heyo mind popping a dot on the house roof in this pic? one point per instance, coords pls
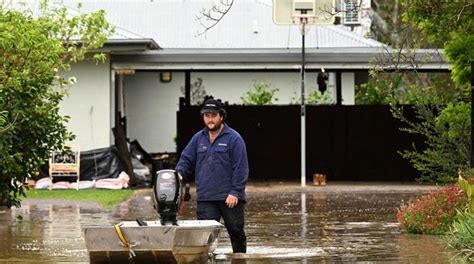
(249, 24)
(245, 39)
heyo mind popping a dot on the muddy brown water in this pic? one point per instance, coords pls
(283, 225)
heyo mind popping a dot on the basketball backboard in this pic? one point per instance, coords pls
(286, 12)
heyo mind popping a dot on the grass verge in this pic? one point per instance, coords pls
(106, 198)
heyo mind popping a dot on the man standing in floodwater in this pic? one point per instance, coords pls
(218, 157)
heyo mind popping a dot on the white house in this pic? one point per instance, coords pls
(157, 38)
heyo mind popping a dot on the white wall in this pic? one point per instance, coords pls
(230, 86)
(151, 105)
(88, 105)
(151, 108)
(347, 88)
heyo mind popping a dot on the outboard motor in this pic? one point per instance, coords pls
(168, 195)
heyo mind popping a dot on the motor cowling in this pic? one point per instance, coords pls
(166, 190)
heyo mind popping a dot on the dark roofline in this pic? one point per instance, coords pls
(129, 45)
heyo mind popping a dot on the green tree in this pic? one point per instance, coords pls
(261, 94)
(447, 132)
(442, 107)
(448, 25)
(444, 119)
(34, 49)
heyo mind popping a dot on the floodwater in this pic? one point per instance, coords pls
(305, 226)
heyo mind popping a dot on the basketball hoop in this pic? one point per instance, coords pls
(304, 19)
(313, 12)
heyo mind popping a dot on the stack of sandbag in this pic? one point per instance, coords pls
(43, 184)
(82, 185)
(61, 185)
(109, 183)
(114, 184)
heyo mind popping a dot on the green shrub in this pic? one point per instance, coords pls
(433, 213)
(261, 94)
(315, 97)
(448, 140)
(376, 91)
(460, 237)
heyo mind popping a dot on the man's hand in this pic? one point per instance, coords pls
(231, 201)
(180, 176)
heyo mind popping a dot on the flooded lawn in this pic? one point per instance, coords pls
(303, 226)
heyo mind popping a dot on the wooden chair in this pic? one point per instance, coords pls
(65, 165)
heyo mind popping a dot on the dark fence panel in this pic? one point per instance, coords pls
(358, 143)
(345, 142)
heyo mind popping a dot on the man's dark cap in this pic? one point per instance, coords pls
(212, 106)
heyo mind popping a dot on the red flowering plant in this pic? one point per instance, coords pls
(434, 212)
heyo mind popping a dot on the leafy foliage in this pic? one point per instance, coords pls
(412, 88)
(468, 188)
(461, 236)
(3, 115)
(461, 51)
(436, 24)
(447, 140)
(448, 25)
(433, 213)
(261, 94)
(316, 97)
(377, 91)
(34, 49)
(442, 119)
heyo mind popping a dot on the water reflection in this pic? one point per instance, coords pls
(303, 217)
(42, 232)
(299, 227)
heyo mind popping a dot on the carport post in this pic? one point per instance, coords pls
(187, 88)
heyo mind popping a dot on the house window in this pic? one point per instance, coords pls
(351, 9)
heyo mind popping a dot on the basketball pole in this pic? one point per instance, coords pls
(302, 12)
(303, 22)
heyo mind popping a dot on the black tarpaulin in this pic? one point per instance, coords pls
(100, 163)
(105, 163)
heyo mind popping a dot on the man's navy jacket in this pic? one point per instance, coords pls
(221, 168)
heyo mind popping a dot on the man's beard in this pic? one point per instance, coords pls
(216, 127)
